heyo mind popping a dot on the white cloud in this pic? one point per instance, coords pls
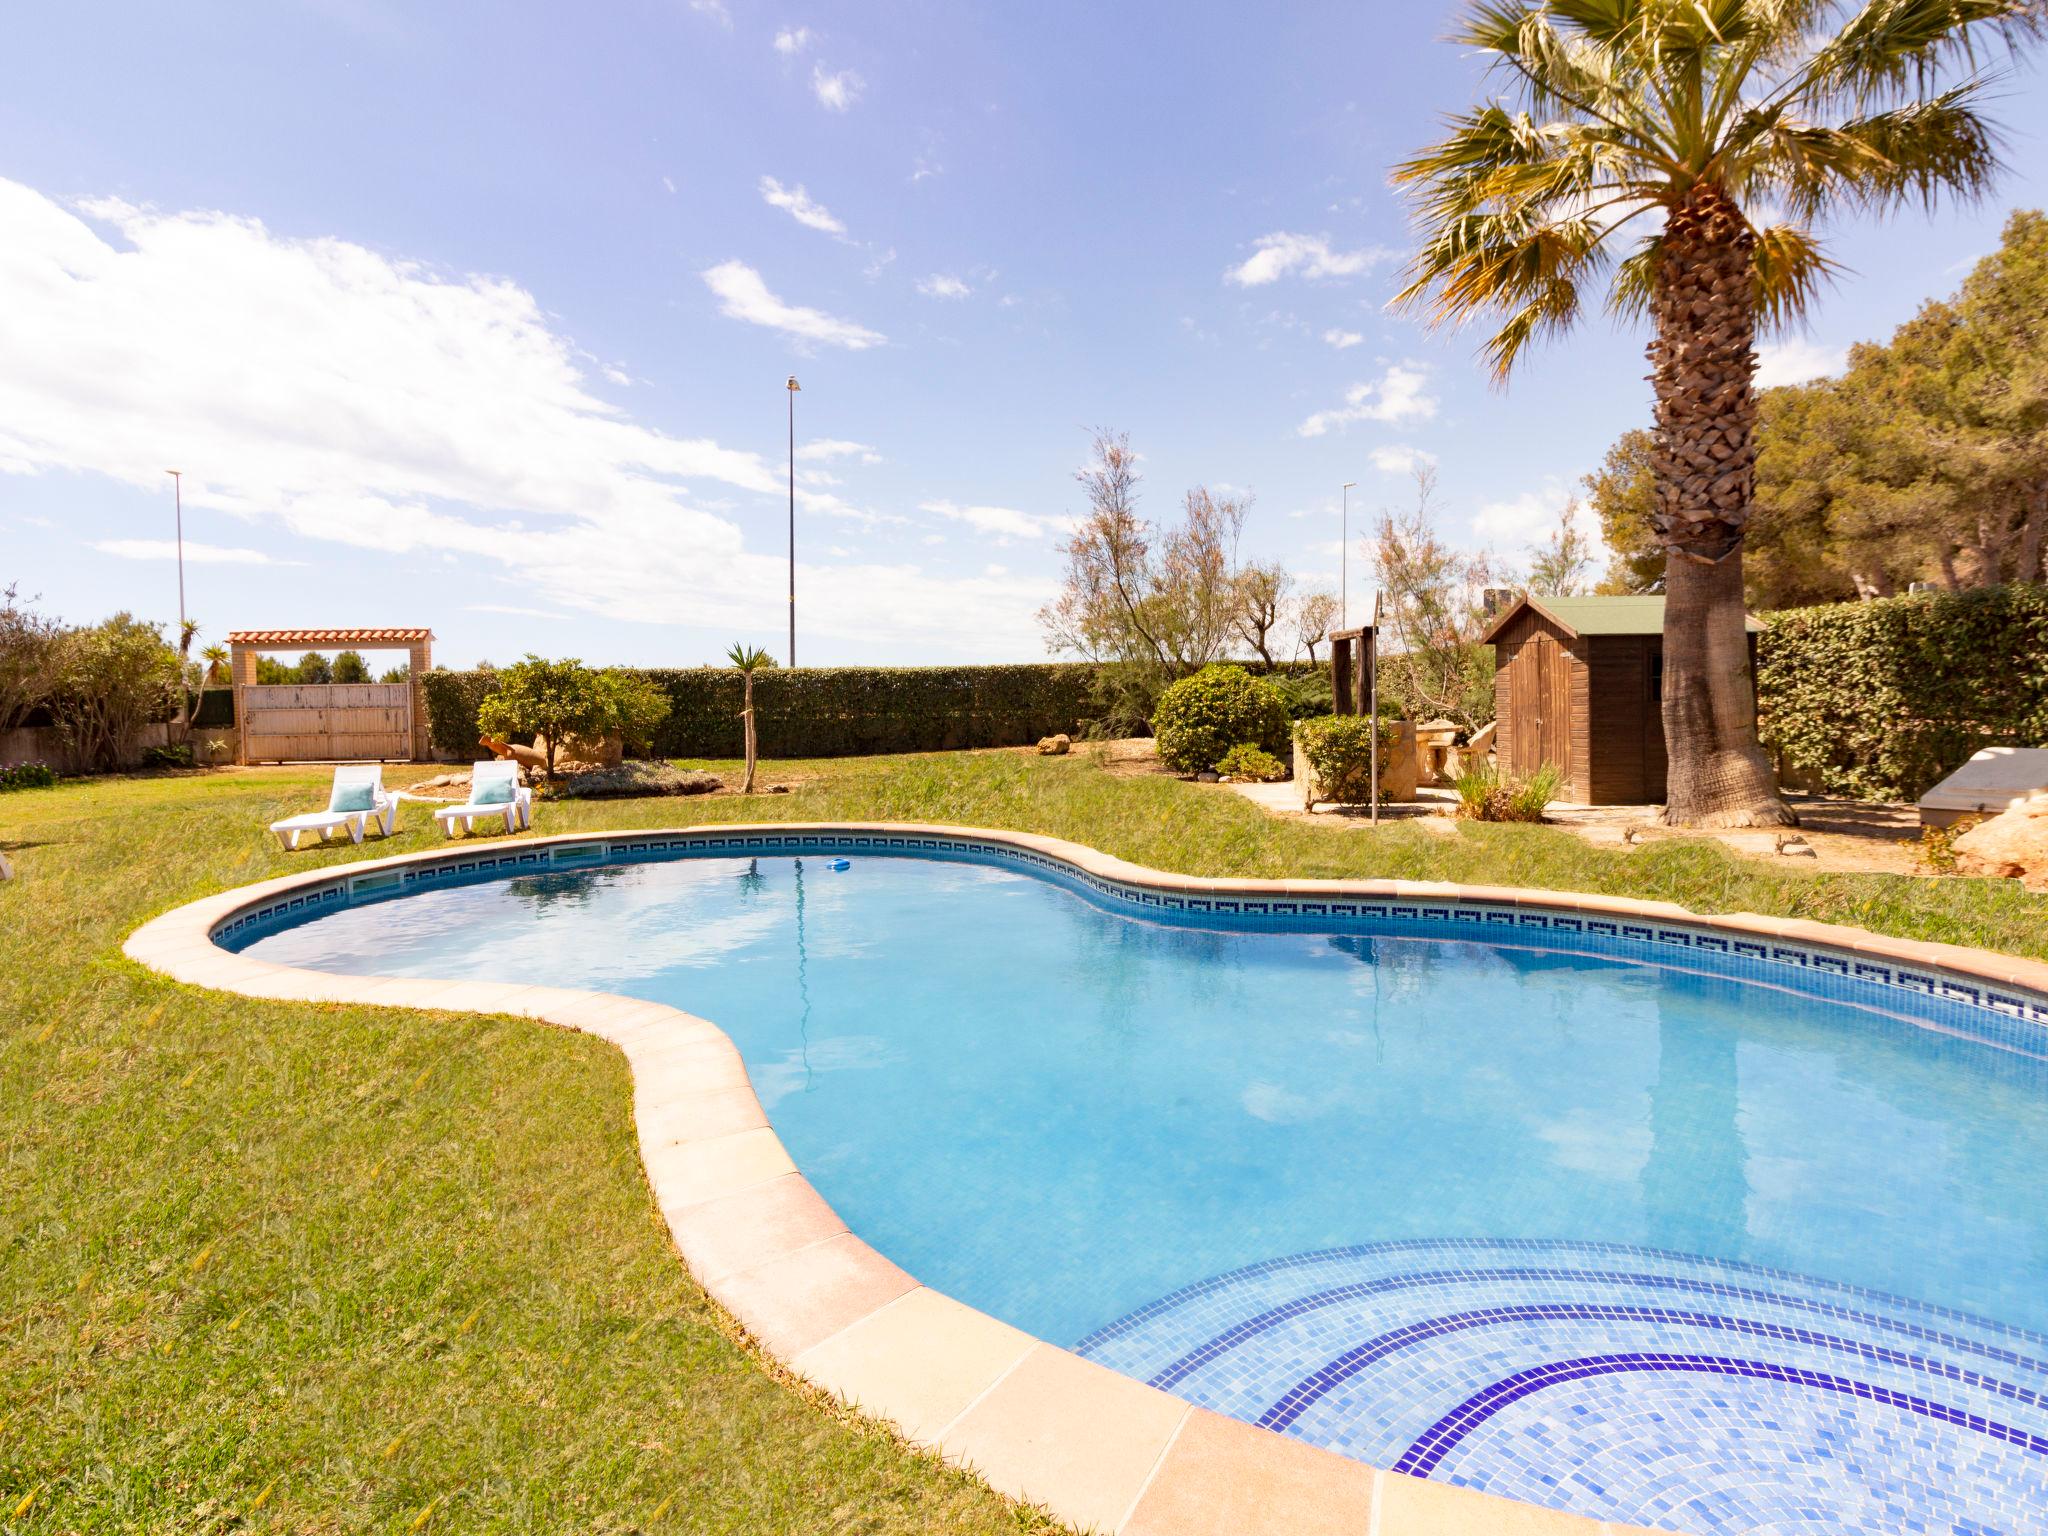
(1531, 517)
(715, 9)
(331, 393)
(821, 449)
(1342, 339)
(791, 41)
(1400, 459)
(942, 285)
(1796, 361)
(1280, 254)
(1006, 523)
(799, 205)
(514, 609)
(1397, 395)
(836, 91)
(195, 554)
(744, 296)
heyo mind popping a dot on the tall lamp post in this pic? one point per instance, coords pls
(178, 502)
(793, 387)
(1344, 563)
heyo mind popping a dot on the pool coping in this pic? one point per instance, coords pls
(1098, 1449)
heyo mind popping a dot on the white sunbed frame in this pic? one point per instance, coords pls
(516, 813)
(383, 810)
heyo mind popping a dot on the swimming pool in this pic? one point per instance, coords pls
(1613, 1217)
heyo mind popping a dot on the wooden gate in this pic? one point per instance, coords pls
(326, 722)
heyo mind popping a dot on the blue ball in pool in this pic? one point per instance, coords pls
(840, 864)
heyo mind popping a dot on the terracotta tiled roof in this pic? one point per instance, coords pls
(320, 638)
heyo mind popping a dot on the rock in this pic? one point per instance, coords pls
(2011, 845)
(1207, 777)
(629, 780)
(1797, 848)
(1055, 746)
(580, 754)
(6, 869)
(778, 789)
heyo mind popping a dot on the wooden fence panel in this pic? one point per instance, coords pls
(299, 722)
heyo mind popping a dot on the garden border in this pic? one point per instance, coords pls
(1097, 1449)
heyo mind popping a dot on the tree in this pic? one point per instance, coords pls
(349, 667)
(29, 645)
(217, 662)
(402, 673)
(1314, 613)
(554, 700)
(1166, 601)
(1623, 494)
(1432, 610)
(188, 675)
(749, 659)
(1559, 568)
(1261, 601)
(313, 668)
(109, 681)
(1693, 114)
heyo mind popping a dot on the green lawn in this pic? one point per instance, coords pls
(322, 1269)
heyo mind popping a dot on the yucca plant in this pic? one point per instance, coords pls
(1634, 148)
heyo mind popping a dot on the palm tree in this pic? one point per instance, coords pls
(216, 659)
(749, 659)
(1697, 114)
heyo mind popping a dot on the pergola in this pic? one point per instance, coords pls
(245, 645)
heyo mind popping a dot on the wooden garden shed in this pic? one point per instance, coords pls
(1578, 682)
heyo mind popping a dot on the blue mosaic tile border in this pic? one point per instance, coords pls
(2013, 1018)
(1423, 1457)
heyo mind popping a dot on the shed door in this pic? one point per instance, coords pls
(1539, 695)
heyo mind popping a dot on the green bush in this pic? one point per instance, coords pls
(1487, 794)
(1339, 751)
(1245, 761)
(27, 776)
(1306, 694)
(177, 755)
(1202, 717)
(822, 711)
(1881, 700)
(561, 699)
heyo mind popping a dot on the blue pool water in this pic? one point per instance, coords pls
(1652, 1245)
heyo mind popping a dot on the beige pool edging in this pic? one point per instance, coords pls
(1099, 1450)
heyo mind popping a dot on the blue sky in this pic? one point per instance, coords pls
(478, 315)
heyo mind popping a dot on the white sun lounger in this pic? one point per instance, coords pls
(494, 791)
(357, 799)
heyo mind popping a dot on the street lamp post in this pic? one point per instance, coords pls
(793, 387)
(178, 502)
(1344, 563)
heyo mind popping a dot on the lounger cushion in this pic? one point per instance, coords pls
(354, 797)
(498, 793)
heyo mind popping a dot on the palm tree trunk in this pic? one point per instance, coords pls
(747, 784)
(1704, 456)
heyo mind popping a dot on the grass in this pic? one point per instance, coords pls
(285, 1267)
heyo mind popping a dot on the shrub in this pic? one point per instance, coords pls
(822, 711)
(1202, 717)
(1883, 699)
(1487, 794)
(111, 680)
(1245, 761)
(1306, 694)
(177, 755)
(560, 699)
(29, 647)
(1339, 751)
(27, 776)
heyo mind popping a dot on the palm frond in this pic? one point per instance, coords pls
(1889, 48)
(1872, 163)
(1550, 312)
(1635, 280)
(1791, 269)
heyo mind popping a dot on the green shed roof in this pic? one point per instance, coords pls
(1596, 615)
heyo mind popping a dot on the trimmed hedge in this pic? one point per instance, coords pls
(1200, 718)
(1881, 700)
(823, 711)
